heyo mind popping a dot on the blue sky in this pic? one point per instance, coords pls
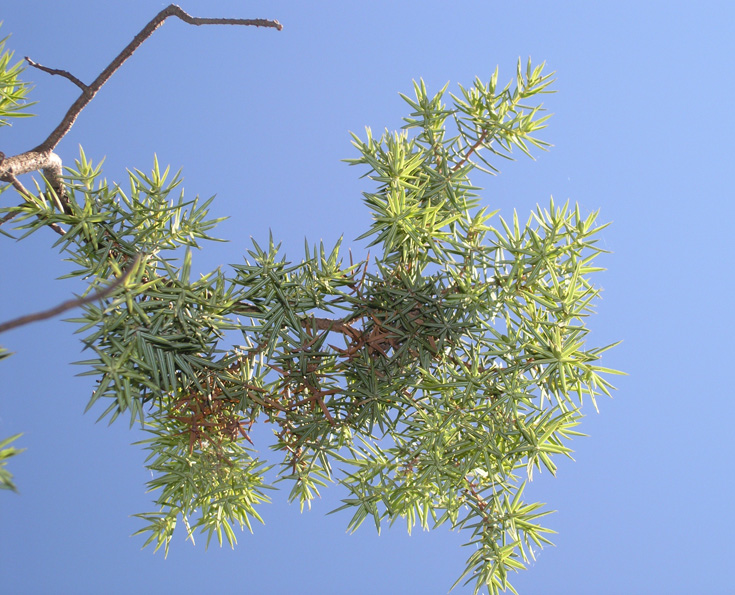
(641, 130)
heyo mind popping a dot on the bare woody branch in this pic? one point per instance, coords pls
(70, 304)
(42, 157)
(91, 90)
(53, 71)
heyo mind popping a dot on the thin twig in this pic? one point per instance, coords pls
(89, 91)
(53, 71)
(69, 304)
(480, 140)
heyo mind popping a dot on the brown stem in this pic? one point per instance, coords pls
(53, 71)
(328, 324)
(473, 148)
(8, 217)
(69, 304)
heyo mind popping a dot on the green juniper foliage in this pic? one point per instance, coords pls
(6, 478)
(13, 91)
(430, 380)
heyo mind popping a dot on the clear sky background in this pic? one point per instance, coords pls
(642, 127)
